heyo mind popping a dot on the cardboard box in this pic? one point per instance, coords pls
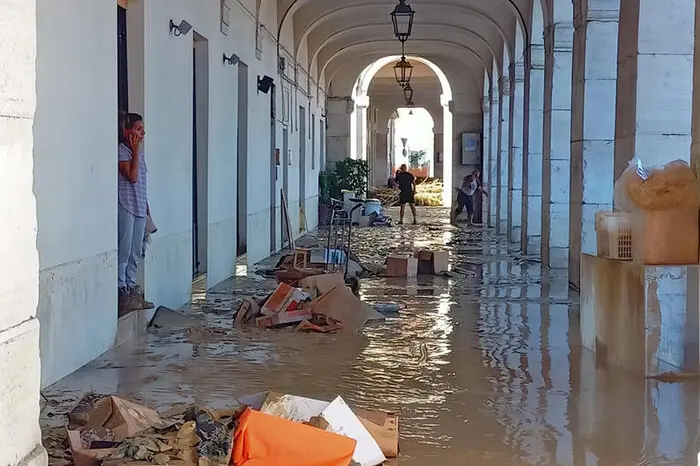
(119, 416)
(432, 262)
(342, 305)
(319, 284)
(285, 298)
(665, 237)
(401, 267)
(384, 428)
(286, 317)
(247, 311)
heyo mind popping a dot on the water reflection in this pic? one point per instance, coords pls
(484, 367)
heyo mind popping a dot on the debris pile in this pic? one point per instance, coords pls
(265, 428)
(321, 303)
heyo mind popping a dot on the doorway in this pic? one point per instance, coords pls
(274, 162)
(122, 60)
(302, 165)
(242, 161)
(322, 143)
(200, 154)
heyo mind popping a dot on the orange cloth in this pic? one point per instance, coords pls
(265, 440)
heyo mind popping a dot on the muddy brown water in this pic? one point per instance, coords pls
(483, 368)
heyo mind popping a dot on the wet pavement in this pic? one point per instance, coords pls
(484, 367)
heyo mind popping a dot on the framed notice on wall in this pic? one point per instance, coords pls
(471, 149)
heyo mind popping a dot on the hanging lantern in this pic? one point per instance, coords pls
(403, 71)
(408, 93)
(402, 17)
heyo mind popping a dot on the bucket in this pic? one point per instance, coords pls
(347, 203)
(373, 206)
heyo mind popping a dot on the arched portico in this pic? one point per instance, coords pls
(359, 128)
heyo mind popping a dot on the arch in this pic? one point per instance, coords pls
(326, 17)
(519, 46)
(329, 39)
(351, 47)
(365, 78)
(295, 5)
(562, 11)
(538, 22)
(361, 102)
(339, 75)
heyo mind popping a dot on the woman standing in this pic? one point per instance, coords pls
(132, 211)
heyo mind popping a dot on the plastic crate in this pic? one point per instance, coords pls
(614, 235)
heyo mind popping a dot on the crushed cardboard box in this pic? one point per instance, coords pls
(401, 267)
(318, 284)
(284, 298)
(432, 262)
(110, 421)
(335, 417)
(342, 305)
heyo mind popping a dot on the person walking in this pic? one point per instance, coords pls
(407, 194)
(132, 211)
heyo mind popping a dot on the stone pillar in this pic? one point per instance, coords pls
(381, 160)
(503, 150)
(515, 152)
(556, 145)
(20, 364)
(487, 158)
(495, 139)
(654, 82)
(592, 123)
(361, 106)
(339, 110)
(532, 166)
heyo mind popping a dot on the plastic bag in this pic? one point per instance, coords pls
(672, 186)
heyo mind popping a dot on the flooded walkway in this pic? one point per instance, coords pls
(483, 368)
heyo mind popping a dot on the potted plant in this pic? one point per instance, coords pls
(352, 175)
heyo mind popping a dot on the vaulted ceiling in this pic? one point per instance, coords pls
(460, 36)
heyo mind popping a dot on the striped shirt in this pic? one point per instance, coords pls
(132, 196)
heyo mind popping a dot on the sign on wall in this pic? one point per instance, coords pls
(471, 148)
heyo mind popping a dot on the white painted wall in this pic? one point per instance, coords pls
(19, 327)
(76, 170)
(76, 182)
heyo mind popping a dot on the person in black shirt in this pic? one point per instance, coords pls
(407, 185)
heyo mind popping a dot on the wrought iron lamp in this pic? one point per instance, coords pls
(402, 18)
(403, 70)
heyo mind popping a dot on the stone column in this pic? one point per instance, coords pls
(532, 166)
(654, 82)
(592, 123)
(515, 153)
(381, 160)
(339, 110)
(20, 364)
(503, 150)
(361, 106)
(495, 139)
(487, 156)
(556, 145)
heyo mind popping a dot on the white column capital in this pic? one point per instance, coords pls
(362, 101)
(561, 36)
(504, 85)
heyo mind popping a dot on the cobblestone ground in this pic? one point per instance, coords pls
(484, 367)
